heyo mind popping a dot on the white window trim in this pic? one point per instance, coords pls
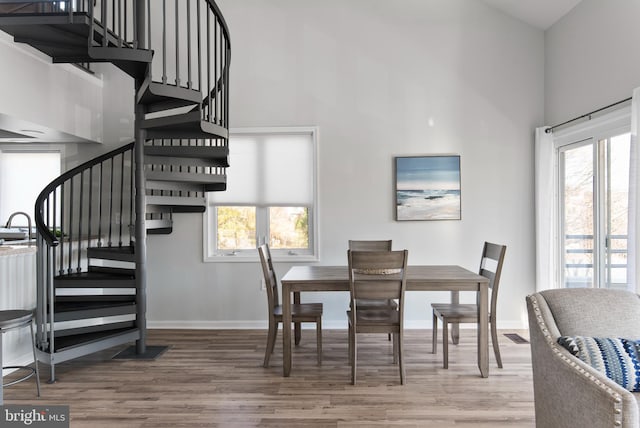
(278, 256)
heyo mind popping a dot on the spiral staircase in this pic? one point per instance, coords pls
(93, 220)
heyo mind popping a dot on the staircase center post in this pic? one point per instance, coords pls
(140, 189)
(140, 231)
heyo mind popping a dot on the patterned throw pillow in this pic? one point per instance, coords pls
(618, 359)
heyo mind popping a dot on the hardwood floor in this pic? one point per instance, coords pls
(215, 378)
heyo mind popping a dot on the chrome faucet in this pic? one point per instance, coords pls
(8, 225)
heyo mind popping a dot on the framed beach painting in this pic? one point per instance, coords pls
(428, 187)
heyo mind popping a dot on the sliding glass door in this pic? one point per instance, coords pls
(594, 194)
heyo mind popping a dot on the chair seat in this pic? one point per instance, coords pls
(14, 318)
(364, 304)
(456, 312)
(302, 310)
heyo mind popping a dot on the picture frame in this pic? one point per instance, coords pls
(428, 187)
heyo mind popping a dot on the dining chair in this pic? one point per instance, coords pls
(300, 312)
(373, 245)
(377, 275)
(456, 313)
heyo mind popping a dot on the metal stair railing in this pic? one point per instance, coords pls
(201, 52)
(91, 204)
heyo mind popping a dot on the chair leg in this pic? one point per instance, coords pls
(319, 339)
(297, 332)
(395, 348)
(494, 341)
(271, 342)
(35, 359)
(401, 357)
(445, 344)
(434, 335)
(354, 357)
(349, 345)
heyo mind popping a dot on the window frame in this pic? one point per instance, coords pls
(590, 133)
(210, 253)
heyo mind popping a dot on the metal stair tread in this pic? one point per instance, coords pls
(196, 152)
(62, 307)
(185, 177)
(159, 96)
(117, 271)
(66, 342)
(176, 204)
(84, 298)
(96, 276)
(125, 253)
(94, 280)
(186, 125)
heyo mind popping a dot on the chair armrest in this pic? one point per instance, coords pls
(568, 392)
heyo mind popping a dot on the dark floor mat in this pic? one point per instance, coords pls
(130, 353)
(515, 337)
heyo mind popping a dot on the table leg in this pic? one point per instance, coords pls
(286, 330)
(483, 329)
(296, 326)
(455, 327)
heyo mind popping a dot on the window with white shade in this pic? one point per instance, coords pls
(270, 196)
(23, 175)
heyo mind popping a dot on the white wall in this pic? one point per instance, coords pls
(373, 75)
(57, 96)
(116, 114)
(591, 58)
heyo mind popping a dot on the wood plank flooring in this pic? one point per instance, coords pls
(215, 378)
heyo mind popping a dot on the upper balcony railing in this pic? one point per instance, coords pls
(579, 261)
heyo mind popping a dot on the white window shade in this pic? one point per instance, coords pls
(272, 169)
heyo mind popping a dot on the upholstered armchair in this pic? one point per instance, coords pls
(568, 391)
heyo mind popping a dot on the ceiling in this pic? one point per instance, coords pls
(541, 14)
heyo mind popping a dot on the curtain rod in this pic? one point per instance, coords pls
(550, 129)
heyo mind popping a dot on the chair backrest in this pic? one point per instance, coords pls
(269, 274)
(370, 245)
(377, 275)
(491, 268)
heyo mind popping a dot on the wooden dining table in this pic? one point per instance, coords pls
(419, 278)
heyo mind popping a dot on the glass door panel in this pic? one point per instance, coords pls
(616, 193)
(577, 172)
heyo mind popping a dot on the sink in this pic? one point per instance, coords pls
(14, 233)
